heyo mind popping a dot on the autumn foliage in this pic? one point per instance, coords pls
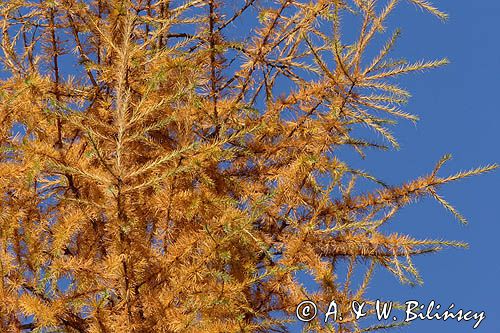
(169, 166)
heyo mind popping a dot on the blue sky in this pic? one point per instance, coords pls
(459, 115)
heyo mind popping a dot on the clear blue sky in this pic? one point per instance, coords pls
(459, 115)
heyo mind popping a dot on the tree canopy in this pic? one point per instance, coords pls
(169, 166)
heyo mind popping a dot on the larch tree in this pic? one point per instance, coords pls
(170, 166)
